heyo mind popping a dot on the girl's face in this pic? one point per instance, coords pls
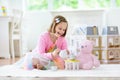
(60, 29)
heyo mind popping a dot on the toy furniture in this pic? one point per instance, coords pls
(72, 64)
(16, 33)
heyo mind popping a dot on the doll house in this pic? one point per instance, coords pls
(93, 35)
(90, 33)
(111, 43)
(106, 46)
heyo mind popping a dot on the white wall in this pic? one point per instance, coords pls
(33, 24)
(113, 17)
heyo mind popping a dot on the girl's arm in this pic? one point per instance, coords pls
(64, 44)
(42, 46)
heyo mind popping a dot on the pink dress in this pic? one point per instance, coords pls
(44, 48)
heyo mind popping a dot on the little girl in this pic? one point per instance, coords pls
(49, 45)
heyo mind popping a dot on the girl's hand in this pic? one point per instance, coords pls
(68, 52)
(56, 52)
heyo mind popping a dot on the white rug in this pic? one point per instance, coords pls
(105, 70)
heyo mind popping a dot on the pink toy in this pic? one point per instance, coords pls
(86, 58)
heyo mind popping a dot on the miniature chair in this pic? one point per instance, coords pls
(71, 64)
(16, 34)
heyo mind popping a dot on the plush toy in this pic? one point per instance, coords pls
(86, 58)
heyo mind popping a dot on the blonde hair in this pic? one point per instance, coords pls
(57, 20)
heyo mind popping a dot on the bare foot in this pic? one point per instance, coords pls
(36, 64)
(39, 66)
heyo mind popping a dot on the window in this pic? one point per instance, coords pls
(118, 3)
(70, 4)
(63, 4)
(37, 5)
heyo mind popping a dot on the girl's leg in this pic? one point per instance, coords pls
(28, 61)
(31, 61)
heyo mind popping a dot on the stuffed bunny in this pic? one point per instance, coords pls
(86, 58)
